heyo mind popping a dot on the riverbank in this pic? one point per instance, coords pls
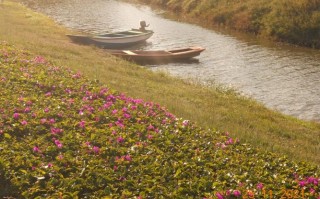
(294, 22)
(212, 108)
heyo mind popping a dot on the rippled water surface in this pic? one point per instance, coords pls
(281, 77)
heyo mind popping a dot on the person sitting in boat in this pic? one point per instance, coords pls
(143, 26)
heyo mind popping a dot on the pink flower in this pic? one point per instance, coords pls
(150, 127)
(76, 76)
(50, 165)
(16, 116)
(316, 182)
(128, 158)
(119, 124)
(120, 139)
(114, 111)
(58, 144)
(48, 94)
(312, 180)
(87, 143)
(219, 195)
(96, 149)
(185, 122)
(43, 120)
(82, 124)
(46, 110)
(39, 60)
(21, 99)
(236, 193)
(24, 122)
(111, 98)
(230, 141)
(259, 185)
(27, 110)
(36, 149)
(68, 90)
(55, 131)
(149, 137)
(302, 183)
(60, 157)
(103, 91)
(312, 191)
(107, 105)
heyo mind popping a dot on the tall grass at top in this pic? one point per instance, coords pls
(292, 21)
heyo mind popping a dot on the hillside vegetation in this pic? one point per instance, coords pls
(64, 136)
(292, 21)
(122, 131)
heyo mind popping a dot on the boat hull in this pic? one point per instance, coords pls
(177, 55)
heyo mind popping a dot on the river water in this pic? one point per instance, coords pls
(282, 77)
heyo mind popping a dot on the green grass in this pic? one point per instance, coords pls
(213, 108)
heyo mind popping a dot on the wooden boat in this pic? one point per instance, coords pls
(114, 40)
(158, 56)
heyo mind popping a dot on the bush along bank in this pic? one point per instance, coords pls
(292, 21)
(65, 136)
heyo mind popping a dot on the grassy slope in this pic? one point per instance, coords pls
(211, 108)
(64, 136)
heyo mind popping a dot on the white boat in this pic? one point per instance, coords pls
(114, 40)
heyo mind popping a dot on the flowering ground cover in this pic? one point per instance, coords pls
(65, 136)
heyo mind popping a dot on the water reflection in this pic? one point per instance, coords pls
(158, 63)
(282, 77)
